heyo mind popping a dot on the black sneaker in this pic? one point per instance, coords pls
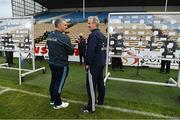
(161, 71)
(85, 110)
(99, 103)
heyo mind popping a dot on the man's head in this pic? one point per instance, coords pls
(93, 22)
(80, 35)
(61, 24)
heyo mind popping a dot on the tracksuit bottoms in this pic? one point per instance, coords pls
(95, 80)
(58, 77)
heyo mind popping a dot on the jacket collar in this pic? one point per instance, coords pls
(95, 30)
(58, 31)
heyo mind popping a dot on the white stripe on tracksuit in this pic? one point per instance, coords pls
(92, 92)
(63, 79)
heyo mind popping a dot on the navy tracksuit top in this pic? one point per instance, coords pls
(95, 53)
(60, 47)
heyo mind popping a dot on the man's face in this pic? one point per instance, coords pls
(63, 26)
(91, 25)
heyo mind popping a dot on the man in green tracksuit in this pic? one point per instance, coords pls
(60, 47)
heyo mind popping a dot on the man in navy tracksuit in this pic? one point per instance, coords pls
(60, 47)
(95, 61)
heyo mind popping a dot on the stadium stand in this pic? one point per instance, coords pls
(102, 16)
(47, 14)
(76, 17)
(73, 17)
(40, 29)
(73, 32)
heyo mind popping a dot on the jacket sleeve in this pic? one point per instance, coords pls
(65, 41)
(91, 49)
(69, 47)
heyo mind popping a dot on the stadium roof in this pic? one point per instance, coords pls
(55, 4)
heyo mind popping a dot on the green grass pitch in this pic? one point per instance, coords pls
(132, 96)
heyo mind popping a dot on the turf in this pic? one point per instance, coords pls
(1, 89)
(149, 98)
(32, 107)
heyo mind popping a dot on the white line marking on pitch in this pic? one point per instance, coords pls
(125, 110)
(4, 90)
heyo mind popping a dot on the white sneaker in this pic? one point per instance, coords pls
(51, 103)
(63, 105)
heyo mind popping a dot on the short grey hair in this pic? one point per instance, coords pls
(94, 19)
(58, 21)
